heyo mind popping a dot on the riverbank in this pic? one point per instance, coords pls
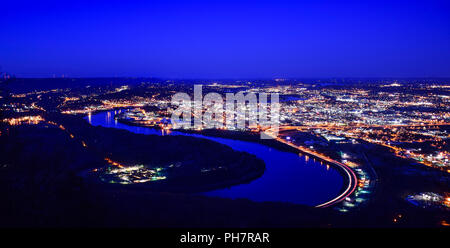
(227, 134)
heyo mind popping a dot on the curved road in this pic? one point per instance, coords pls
(352, 179)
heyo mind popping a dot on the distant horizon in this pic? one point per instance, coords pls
(235, 78)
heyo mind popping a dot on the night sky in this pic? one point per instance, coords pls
(225, 39)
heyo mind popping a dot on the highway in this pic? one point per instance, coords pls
(352, 179)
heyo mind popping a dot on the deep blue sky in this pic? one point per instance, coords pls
(225, 39)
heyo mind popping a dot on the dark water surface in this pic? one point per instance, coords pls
(288, 176)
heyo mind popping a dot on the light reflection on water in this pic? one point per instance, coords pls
(288, 176)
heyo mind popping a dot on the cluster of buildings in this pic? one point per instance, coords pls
(429, 200)
(402, 118)
(121, 174)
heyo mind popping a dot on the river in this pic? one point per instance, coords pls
(288, 176)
